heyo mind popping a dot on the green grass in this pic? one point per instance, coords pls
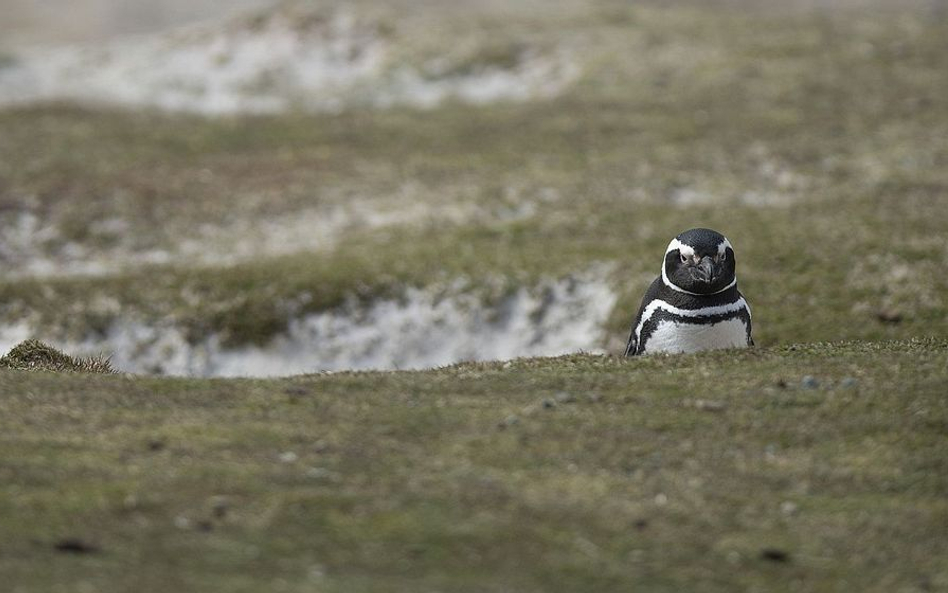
(820, 142)
(659, 474)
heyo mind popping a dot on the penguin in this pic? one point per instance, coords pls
(694, 304)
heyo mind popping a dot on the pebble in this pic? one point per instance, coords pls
(219, 506)
(75, 546)
(661, 499)
(318, 473)
(788, 508)
(317, 572)
(549, 403)
(710, 405)
(564, 397)
(510, 420)
(848, 382)
(182, 522)
(204, 525)
(774, 555)
(288, 457)
(810, 382)
(889, 316)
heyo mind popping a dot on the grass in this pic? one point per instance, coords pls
(816, 140)
(716, 472)
(33, 355)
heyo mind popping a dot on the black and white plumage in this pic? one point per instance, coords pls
(694, 305)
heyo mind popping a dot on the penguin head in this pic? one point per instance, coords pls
(699, 261)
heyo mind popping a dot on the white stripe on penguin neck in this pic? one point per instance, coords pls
(689, 251)
(657, 304)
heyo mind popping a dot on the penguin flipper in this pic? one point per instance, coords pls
(632, 347)
(632, 344)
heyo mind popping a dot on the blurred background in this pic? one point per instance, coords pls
(259, 188)
(63, 21)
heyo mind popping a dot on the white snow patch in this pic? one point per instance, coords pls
(13, 334)
(534, 77)
(26, 240)
(270, 64)
(419, 330)
(262, 67)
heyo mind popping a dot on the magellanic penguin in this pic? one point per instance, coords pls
(694, 305)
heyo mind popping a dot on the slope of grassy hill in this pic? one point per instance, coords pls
(807, 468)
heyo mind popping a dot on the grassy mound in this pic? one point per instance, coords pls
(802, 468)
(33, 355)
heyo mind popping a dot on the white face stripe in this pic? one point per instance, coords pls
(705, 312)
(689, 251)
(686, 250)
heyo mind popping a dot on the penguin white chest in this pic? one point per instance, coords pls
(676, 337)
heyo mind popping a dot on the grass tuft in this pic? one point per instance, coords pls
(33, 355)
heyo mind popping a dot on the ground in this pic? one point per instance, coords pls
(806, 468)
(816, 139)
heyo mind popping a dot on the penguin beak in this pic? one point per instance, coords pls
(704, 271)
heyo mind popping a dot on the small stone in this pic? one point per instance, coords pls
(548, 403)
(594, 398)
(219, 506)
(317, 572)
(710, 405)
(75, 546)
(774, 555)
(511, 420)
(564, 397)
(182, 522)
(661, 499)
(295, 392)
(318, 473)
(848, 383)
(789, 508)
(889, 316)
(809, 382)
(287, 457)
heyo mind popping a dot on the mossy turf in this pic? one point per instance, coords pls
(807, 468)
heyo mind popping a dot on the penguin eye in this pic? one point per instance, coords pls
(724, 256)
(683, 258)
